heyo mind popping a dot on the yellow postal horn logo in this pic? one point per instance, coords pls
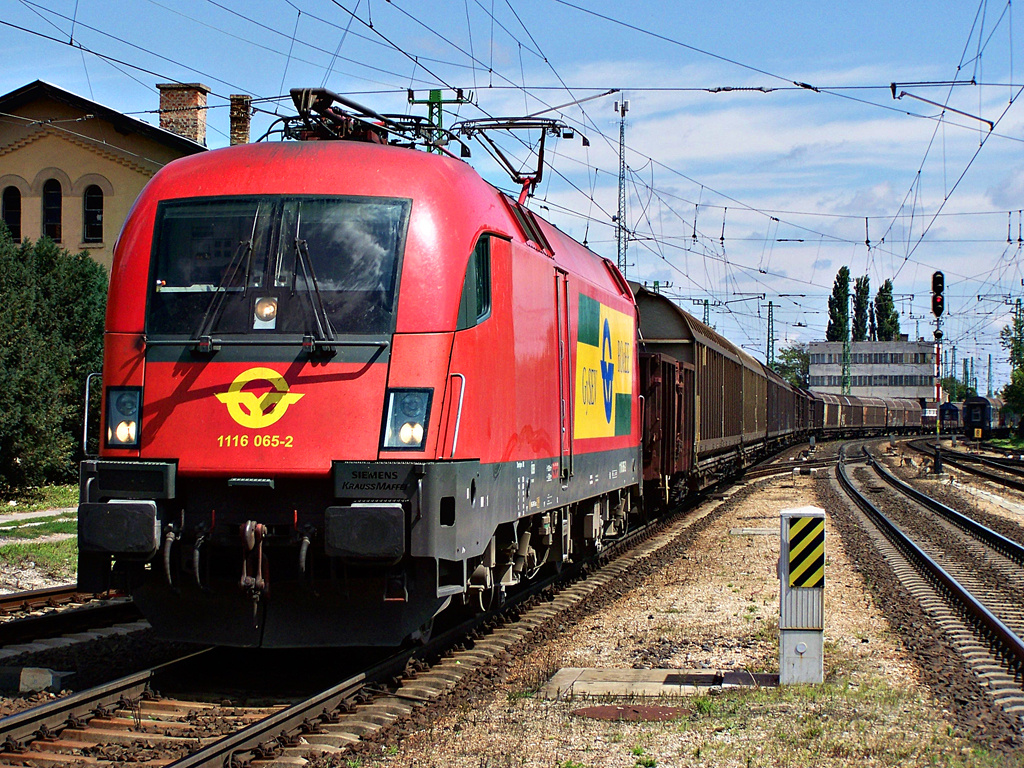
(258, 411)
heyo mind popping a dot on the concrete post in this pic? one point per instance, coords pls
(801, 595)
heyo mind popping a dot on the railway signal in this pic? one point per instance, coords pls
(938, 305)
(938, 300)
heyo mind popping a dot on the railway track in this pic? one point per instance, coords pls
(13, 603)
(125, 722)
(965, 575)
(766, 470)
(120, 722)
(1006, 472)
(55, 611)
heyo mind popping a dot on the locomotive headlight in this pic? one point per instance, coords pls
(123, 406)
(125, 432)
(405, 419)
(411, 433)
(265, 313)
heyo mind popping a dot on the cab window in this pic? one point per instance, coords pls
(475, 305)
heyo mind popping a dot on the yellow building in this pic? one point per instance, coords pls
(71, 168)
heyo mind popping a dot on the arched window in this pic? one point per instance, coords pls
(12, 211)
(52, 201)
(92, 222)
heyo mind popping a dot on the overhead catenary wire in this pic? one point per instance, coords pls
(646, 184)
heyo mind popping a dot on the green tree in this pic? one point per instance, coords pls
(1011, 338)
(956, 389)
(887, 319)
(861, 302)
(1013, 396)
(52, 327)
(839, 307)
(793, 363)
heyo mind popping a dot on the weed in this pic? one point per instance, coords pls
(569, 764)
(525, 693)
(58, 559)
(645, 762)
(46, 497)
(704, 706)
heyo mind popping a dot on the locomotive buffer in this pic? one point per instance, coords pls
(801, 595)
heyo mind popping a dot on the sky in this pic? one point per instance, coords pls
(766, 144)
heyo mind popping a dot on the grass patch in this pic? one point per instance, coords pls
(39, 526)
(1012, 443)
(36, 499)
(58, 560)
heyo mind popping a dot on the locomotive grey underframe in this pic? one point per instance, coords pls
(446, 511)
(454, 507)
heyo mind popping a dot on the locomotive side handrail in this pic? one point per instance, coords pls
(458, 415)
(85, 420)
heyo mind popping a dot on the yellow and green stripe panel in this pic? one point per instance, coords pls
(604, 375)
(807, 552)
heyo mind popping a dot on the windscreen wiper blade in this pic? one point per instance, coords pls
(202, 335)
(323, 332)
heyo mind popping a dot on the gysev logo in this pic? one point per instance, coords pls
(604, 375)
(607, 369)
(258, 411)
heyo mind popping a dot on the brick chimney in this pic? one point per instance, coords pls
(183, 109)
(241, 113)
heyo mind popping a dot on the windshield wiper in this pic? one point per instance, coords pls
(323, 333)
(201, 338)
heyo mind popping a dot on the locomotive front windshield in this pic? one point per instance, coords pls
(276, 265)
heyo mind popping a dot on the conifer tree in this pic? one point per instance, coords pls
(861, 301)
(839, 307)
(887, 319)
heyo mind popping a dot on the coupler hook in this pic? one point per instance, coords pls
(254, 562)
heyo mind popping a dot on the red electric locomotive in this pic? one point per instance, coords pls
(346, 384)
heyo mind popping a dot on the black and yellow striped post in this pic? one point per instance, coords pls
(801, 599)
(807, 551)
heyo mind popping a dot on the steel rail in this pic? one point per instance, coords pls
(966, 463)
(48, 719)
(997, 541)
(38, 598)
(264, 737)
(1013, 465)
(784, 469)
(1001, 639)
(79, 619)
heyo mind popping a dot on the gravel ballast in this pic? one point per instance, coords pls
(893, 693)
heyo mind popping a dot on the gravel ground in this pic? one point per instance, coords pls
(893, 694)
(22, 577)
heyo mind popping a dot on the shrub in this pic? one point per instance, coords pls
(52, 305)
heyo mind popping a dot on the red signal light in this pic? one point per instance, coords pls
(938, 304)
